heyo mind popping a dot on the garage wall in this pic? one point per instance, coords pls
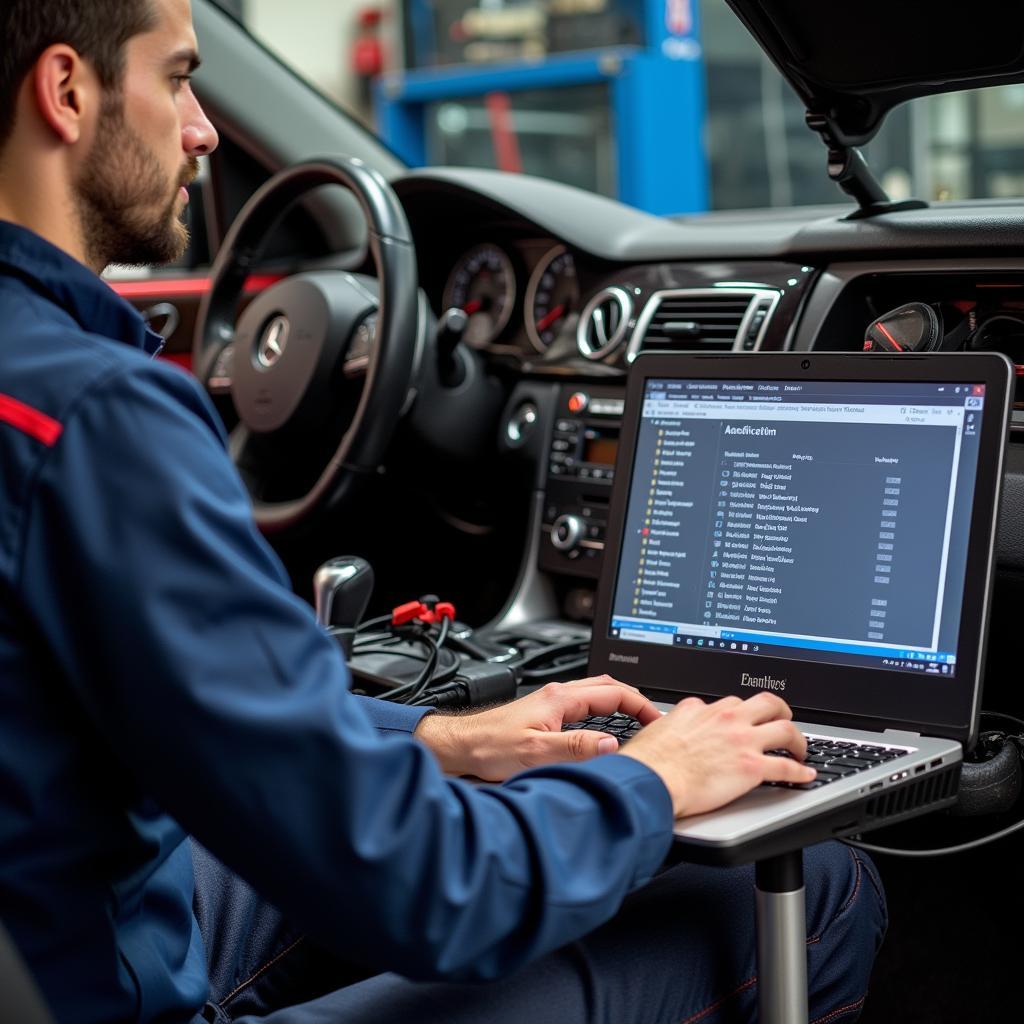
(316, 38)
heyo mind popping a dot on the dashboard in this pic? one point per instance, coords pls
(552, 305)
(563, 289)
(561, 281)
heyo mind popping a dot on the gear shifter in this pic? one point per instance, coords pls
(342, 589)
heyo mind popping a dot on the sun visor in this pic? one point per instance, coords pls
(853, 62)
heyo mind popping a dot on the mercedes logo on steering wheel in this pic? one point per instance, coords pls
(273, 342)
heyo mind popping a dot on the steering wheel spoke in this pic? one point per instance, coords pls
(360, 348)
(218, 382)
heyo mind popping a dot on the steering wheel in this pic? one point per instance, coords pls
(319, 365)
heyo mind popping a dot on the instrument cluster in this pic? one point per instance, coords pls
(523, 297)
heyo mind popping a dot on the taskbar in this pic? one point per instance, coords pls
(935, 663)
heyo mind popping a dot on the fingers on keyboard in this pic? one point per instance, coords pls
(622, 727)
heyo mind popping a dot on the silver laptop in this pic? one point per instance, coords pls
(823, 527)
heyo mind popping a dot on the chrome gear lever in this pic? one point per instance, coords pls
(341, 590)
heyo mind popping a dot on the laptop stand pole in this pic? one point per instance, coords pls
(781, 939)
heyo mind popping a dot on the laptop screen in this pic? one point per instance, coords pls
(818, 521)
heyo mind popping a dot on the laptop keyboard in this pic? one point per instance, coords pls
(832, 758)
(622, 727)
(835, 759)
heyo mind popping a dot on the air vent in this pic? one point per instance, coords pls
(603, 323)
(703, 320)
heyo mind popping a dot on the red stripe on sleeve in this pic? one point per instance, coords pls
(29, 421)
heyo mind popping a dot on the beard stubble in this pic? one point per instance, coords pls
(121, 197)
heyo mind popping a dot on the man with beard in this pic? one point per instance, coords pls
(158, 678)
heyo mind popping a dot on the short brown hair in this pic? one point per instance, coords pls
(97, 29)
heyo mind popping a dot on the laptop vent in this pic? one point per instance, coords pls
(703, 320)
(933, 788)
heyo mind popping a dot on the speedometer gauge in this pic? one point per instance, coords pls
(551, 296)
(483, 285)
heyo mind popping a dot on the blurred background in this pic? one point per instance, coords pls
(668, 105)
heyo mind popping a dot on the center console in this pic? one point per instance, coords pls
(561, 439)
(580, 468)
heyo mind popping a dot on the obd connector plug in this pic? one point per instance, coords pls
(476, 684)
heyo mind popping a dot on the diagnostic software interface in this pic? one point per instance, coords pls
(820, 520)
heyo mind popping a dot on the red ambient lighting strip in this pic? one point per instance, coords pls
(186, 287)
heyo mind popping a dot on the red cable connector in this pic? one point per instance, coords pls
(417, 611)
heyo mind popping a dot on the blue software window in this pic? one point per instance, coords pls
(817, 520)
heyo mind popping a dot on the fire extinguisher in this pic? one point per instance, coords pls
(367, 52)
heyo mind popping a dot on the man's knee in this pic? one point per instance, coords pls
(846, 921)
(843, 891)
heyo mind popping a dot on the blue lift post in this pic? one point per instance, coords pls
(656, 93)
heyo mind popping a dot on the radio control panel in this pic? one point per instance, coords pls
(580, 472)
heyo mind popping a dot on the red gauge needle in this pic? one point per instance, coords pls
(473, 306)
(545, 322)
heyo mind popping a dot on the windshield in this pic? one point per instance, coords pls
(669, 105)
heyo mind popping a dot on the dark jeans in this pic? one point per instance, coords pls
(680, 950)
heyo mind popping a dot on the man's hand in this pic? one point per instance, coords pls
(527, 732)
(709, 754)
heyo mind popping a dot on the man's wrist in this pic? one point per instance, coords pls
(448, 739)
(675, 792)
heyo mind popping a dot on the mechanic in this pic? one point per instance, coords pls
(158, 679)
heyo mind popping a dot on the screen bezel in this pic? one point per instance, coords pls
(858, 696)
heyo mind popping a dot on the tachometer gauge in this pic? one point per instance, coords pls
(483, 285)
(551, 295)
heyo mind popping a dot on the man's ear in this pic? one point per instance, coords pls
(64, 87)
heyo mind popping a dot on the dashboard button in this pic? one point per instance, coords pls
(566, 533)
(520, 423)
(579, 401)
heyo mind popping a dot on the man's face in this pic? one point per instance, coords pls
(129, 191)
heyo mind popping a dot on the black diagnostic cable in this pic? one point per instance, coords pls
(465, 644)
(446, 680)
(567, 656)
(945, 851)
(480, 681)
(441, 674)
(532, 675)
(385, 643)
(370, 623)
(371, 639)
(409, 692)
(941, 851)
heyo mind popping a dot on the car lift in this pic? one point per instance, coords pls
(655, 92)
